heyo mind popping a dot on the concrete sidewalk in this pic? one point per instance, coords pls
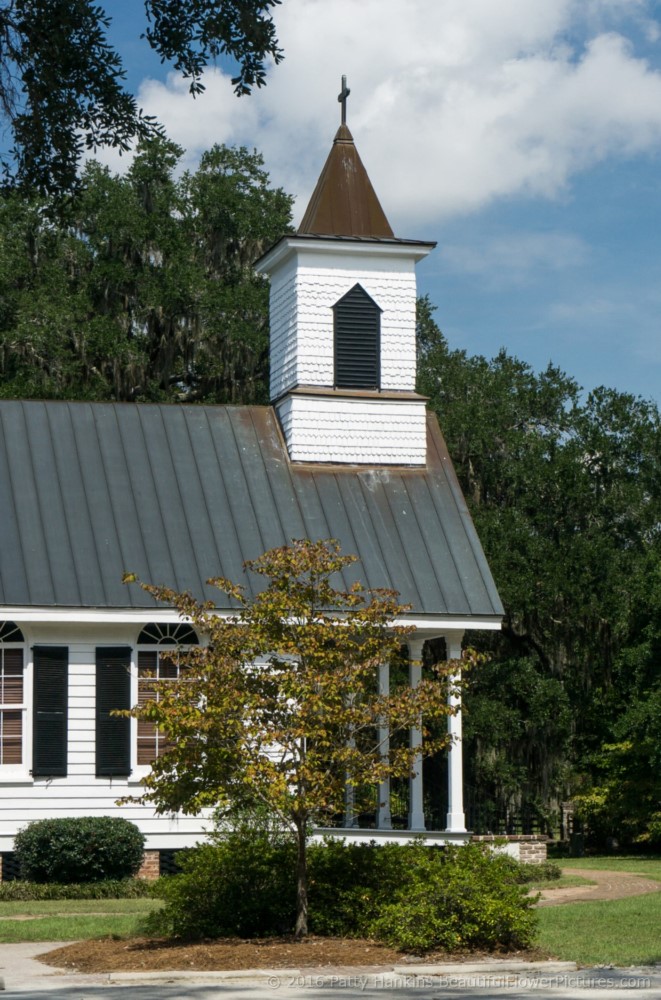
(21, 971)
(26, 978)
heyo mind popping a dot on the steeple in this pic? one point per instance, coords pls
(344, 203)
(343, 345)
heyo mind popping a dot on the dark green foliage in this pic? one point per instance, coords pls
(414, 897)
(145, 289)
(130, 888)
(79, 849)
(62, 83)
(524, 872)
(243, 886)
(624, 802)
(565, 492)
(348, 883)
(455, 899)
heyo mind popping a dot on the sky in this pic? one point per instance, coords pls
(523, 136)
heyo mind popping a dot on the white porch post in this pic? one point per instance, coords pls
(383, 816)
(416, 808)
(456, 821)
(350, 818)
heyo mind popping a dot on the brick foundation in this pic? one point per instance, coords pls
(530, 848)
(151, 863)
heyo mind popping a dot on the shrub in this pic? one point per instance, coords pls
(130, 888)
(457, 898)
(547, 871)
(240, 885)
(79, 849)
(347, 883)
(416, 898)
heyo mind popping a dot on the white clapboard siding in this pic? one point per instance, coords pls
(24, 799)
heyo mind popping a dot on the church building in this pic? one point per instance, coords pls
(181, 493)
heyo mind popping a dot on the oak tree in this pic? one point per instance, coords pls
(62, 82)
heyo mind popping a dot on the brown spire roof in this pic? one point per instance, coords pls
(344, 202)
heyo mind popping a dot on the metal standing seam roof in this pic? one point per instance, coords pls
(344, 203)
(178, 494)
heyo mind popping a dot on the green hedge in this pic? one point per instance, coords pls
(415, 898)
(130, 888)
(79, 849)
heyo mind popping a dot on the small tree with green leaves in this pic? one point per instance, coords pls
(282, 706)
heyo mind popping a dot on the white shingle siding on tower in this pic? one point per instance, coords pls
(354, 431)
(308, 278)
(302, 300)
(283, 311)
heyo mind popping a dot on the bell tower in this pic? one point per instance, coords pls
(343, 324)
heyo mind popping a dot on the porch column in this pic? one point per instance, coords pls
(456, 821)
(383, 817)
(416, 809)
(350, 818)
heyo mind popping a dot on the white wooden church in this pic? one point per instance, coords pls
(178, 494)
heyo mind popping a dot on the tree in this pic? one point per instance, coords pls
(565, 491)
(281, 707)
(144, 289)
(62, 83)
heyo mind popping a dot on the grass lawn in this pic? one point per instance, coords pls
(646, 865)
(72, 919)
(618, 932)
(564, 882)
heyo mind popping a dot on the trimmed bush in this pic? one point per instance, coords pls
(241, 886)
(416, 898)
(455, 899)
(79, 849)
(24, 892)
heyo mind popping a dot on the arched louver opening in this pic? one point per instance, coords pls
(357, 326)
(167, 634)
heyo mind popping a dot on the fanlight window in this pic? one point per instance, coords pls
(167, 634)
(357, 335)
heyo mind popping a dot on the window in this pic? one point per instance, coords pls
(357, 333)
(154, 665)
(12, 693)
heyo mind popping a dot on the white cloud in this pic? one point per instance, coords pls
(454, 103)
(516, 258)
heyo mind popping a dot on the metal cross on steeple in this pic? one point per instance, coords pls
(342, 98)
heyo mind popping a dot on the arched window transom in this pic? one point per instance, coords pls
(168, 634)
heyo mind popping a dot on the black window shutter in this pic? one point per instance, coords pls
(113, 691)
(357, 325)
(50, 708)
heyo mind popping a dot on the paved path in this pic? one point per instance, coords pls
(609, 885)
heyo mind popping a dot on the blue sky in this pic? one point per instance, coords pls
(524, 137)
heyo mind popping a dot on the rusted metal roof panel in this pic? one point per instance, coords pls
(344, 203)
(178, 494)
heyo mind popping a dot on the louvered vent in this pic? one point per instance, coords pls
(357, 341)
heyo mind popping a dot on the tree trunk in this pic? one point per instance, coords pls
(301, 881)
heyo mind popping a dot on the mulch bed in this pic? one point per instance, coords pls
(228, 954)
